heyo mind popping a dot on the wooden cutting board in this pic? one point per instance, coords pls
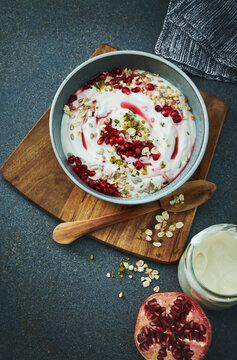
(33, 170)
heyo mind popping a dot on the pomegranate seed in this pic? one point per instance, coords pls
(166, 113)
(114, 131)
(78, 161)
(118, 71)
(109, 135)
(126, 90)
(128, 145)
(150, 145)
(129, 79)
(102, 77)
(91, 173)
(102, 183)
(83, 169)
(158, 108)
(167, 107)
(136, 89)
(120, 140)
(111, 192)
(92, 82)
(75, 169)
(71, 159)
(150, 87)
(112, 82)
(138, 165)
(137, 151)
(155, 156)
(112, 73)
(174, 113)
(72, 98)
(177, 119)
(117, 86)
(128, 153)
(100, 141)
(93, 183)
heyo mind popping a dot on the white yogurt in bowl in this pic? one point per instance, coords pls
(128, 132)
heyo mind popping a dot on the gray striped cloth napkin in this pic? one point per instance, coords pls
(200, 36)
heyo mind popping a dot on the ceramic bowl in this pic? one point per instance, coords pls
(138, 60)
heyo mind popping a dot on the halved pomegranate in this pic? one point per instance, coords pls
(172, 326)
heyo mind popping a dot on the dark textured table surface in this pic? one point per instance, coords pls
(56, 303)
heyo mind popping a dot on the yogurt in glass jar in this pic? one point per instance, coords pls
(208, 268)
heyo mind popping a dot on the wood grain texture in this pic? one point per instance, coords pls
(34, 171)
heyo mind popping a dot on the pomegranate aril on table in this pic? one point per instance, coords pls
(172, 326)
(127, 128)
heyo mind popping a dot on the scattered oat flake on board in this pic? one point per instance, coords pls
(148, 238)
(172, 228)
(148, 232)
(157, 243)
(121, 294)
(165, 215)
(179, 225)
(108, 275)
(161, 234)
(158, 226)
(159, 218)
(164, 223)
(169, 234)
(156, 289)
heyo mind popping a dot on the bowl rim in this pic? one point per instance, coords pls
(132, 200)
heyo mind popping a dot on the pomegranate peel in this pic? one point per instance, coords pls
(172, 326)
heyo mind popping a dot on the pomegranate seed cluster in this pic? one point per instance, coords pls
(173, 326)
(127, 132)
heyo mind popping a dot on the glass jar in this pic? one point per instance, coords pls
(188, 279)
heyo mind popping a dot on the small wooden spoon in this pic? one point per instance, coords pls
(195, 193)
